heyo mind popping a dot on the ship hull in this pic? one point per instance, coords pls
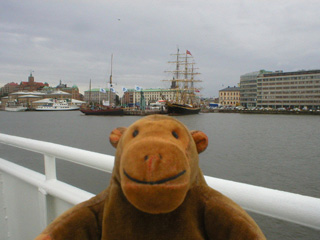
(179, 109)
(15, 109)
(57, 109)
(104, 112)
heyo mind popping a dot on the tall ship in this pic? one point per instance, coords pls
(103, 109)
(183, 83)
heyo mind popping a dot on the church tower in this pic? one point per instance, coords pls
(31, 79)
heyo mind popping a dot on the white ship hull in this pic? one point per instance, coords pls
(60, 105)
(15, 109)
(56, 108)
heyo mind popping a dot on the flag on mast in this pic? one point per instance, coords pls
(137, 88)
(188, 52)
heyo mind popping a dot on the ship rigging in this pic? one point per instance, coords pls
(183, 82)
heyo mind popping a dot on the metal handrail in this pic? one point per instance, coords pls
(291, 207)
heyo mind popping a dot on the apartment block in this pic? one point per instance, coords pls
(248, 88)
(289, 89)
(152, 95)
(229, 96)
(131, 96)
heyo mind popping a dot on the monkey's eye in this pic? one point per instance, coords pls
(135, 133)
(175, 134)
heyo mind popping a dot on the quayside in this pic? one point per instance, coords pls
(26, 194)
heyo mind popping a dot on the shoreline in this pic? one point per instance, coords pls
(302, 112)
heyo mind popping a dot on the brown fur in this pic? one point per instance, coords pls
(157, 191)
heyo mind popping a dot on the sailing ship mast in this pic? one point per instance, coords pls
(104, 109)
(184, 78)
(110, 86)
(90, 92)
(177, 69)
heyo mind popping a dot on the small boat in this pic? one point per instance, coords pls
(57, 105)
(14, 107)
(183, 83)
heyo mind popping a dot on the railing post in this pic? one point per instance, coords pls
(51, 174)
(43, 208)
(50, 167)
(4, 233)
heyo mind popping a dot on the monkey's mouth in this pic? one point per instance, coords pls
(161, 181)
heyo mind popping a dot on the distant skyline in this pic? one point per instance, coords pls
(73, 40)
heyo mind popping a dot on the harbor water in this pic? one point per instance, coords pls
(274, 151)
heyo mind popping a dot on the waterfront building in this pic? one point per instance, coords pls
(31, 85)
(59, 95)
(131, 96)
(229, 96)
(289, 89)
(248, 88)
(74, 90)
(9, 88)
(12, 91)
(99, 95)
(27, 98)
(151, 95)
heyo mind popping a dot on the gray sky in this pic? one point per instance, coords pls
(72, 40)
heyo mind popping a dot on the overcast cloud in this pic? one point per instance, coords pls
(72, 40)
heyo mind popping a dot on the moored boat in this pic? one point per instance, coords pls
(57, 105)
(181, 109)
(14, 107)
(102, 110)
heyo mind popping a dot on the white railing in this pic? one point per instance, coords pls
(303, 210)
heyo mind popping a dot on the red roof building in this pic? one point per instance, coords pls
(31, 85)
(9, 88)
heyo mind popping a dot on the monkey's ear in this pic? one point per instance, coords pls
(115, 136)
(200, 139)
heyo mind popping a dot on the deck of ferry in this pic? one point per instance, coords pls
(30, 200)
